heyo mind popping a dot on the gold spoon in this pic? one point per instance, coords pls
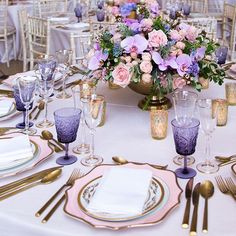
(206, 191)
(122, 161)
(40, 108)
(225, 159)
(53, 146)
(49, 136)
(49, 178)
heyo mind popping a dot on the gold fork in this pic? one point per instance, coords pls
(222, 186)
(231, 187)
(74, 175)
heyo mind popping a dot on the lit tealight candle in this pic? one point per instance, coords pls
(220, 108)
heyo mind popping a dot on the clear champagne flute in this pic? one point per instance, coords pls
(27, 88)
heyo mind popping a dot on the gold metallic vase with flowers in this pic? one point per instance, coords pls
(153, 56)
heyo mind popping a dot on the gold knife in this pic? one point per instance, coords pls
(188, 194)
(29, 179)
(226, 163)
(193, 229)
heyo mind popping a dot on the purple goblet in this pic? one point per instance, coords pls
(100, 15)
(67, 123)
(20, 107)
(185, 138)
(78, 12)
(186, 9)
(221, 55)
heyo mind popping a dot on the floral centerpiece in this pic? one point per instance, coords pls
(154, 56)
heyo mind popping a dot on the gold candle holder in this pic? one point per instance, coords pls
(159, 123)
(86, 89)
(204, 82)
(220, 108)
(230, 91)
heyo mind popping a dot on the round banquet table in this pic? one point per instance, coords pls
(126, 133)
(13, 20)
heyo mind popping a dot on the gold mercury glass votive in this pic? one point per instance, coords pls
(159, 123)
(97, 103)
(230, 91)
(86, 89)
(220, 108)
(204, 82)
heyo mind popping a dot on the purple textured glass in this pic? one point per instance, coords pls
(185, 138)
(100, 15)
(67, 123)
(221, 55)
(186, 9)
(20, 107)
(47, 67)
(100, 4)
(78, 12)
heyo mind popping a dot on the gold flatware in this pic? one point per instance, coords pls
(188, 194)
(6, 92)
(34, 109)
(206, 191)
(4, 130)
(74, 175)
(222, 186)
(27, 180)
(122, 161)
(47, 135)
(40, 108)
(195, 198)
(225, 159)
(68, 85)
(49, 178)
(231, 186)
(54, 147)
(226, 163)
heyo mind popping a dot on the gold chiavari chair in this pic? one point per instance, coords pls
(228, 27)
(38, 38)
(7, 32)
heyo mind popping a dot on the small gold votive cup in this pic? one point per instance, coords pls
(159, 123)
(230, 91)
(220, 108)
(204, 82)
(99, 101)
(87, 88)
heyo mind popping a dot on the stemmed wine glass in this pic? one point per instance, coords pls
(186, 10)
(208, 120)
(46, 67)
(67, 123)
(64, 60)
(27, 88)
(83, 147)
(93, 111)
(20, 107)
(184, 105)
(221, 55)
(185, 138)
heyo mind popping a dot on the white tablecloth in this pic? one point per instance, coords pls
(126, 133)
(13, 20)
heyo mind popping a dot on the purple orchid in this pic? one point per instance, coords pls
(184, 62)
(95, 61)
(200, 53)
(136, 43)
(164, 63)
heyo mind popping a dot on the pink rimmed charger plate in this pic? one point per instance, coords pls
(156, 216)
(42, 154)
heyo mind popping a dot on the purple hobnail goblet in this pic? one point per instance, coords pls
(185, 138)
(100, 15)
(21, 107)
(67, 123)
(78, 12)
(186, 9)
(221, 55)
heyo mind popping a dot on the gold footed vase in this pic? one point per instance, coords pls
(155, 102)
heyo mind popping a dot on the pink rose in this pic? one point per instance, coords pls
(182, 33)
(146, 24)
(128, 59)
(146, 67)
(157, 38)
(146, 78)
(180, 45)
(115, 10)
(192, 33)
(121, 75)
(178, 83)
(174, 35)
(146, 56)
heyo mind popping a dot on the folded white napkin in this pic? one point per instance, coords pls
(59, 18)
(5, 106)
(11, 80)
(121, 192)
(77, 25)
(15, 149)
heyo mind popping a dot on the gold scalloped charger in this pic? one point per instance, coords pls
(233, 168)
(162, 206)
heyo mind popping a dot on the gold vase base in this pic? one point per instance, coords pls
(155, 103)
